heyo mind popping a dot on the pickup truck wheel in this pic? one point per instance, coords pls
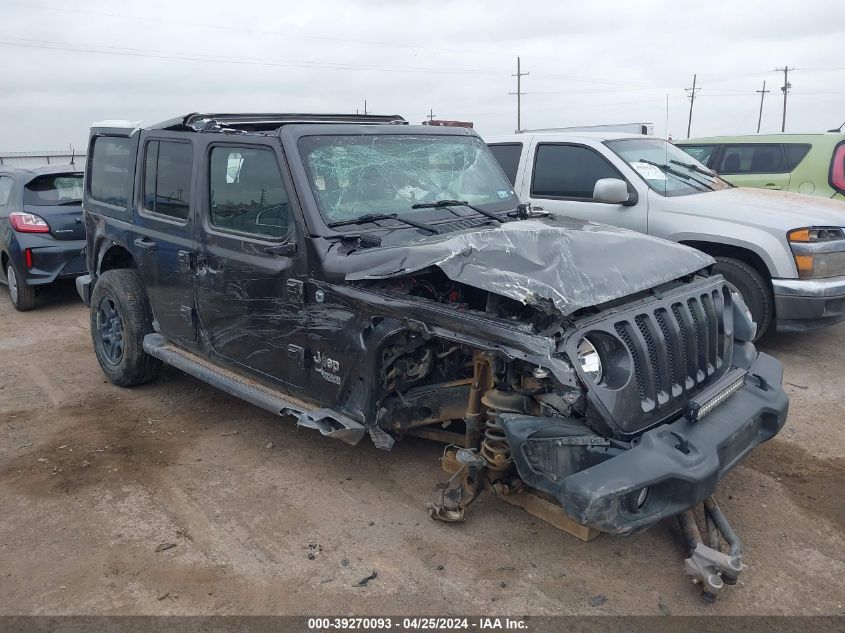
(120, 318)
(22, 295)
(752, 286)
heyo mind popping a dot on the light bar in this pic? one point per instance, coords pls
(715, 395)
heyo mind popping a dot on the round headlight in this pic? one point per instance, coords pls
(589, 359)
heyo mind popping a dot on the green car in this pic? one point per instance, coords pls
(805, 163)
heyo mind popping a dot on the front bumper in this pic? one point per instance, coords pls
(807, 304)
(600, 495)
(51, 258)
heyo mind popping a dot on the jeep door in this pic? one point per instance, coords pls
(163, 238)
(249, 285)
(561, 180)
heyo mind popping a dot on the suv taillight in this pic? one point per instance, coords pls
(28, 223)
(837, 168)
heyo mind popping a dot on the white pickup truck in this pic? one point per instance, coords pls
(785, 253)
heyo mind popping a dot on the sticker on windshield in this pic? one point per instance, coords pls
(649, 172)
(503, 193)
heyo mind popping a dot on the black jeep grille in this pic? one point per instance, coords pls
(674, 352)
(658, 354)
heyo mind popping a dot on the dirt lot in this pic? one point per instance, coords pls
(264, 518)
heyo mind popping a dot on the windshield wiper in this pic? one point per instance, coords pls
(441, 204)
(679, 174)
(375, 217)
(706, 172)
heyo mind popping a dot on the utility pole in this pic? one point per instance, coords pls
(431, 115)
(785, 87)
(762, 96)
(691, 96)
(519, 75)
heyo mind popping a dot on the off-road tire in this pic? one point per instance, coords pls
(120, 318)
(21, 295)
(753, 288)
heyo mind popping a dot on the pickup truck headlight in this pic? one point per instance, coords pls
(819, 251)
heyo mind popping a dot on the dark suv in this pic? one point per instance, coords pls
(41, 231)
(369, 277)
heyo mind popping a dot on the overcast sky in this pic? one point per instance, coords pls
(67, 64)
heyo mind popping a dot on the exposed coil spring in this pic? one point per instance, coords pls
(495, 448)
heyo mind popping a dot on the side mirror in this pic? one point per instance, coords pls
(611, 191)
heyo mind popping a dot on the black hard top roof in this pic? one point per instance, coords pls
(266, 122)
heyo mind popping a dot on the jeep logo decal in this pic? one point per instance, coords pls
(327, 367)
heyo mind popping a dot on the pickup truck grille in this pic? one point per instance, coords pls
(675, 348)
(666, 350)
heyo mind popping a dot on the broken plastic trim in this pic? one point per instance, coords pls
(329, 423)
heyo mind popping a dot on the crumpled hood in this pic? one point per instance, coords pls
(574, 264)
(781, 210)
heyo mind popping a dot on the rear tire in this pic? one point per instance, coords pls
(120, 319)
(753, 288)
(22, 295)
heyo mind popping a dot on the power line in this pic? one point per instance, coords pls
(762, 96)
(242, 29)
(202, 57)
(603, 82)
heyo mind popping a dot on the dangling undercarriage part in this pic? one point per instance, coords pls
(709, 567)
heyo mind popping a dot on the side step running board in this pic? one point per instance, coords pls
(329, 422)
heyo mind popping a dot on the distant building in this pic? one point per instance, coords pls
(37, 159)
(445, 123)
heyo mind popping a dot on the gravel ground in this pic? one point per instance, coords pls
(174, 498)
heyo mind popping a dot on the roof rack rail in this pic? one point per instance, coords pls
(197, 122)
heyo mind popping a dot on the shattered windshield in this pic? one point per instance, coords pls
(352, 176)
(667, 169)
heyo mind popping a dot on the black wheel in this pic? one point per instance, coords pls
(22, 295)
(120, 318)
(752, 286)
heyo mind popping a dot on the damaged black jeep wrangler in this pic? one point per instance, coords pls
(368, 277)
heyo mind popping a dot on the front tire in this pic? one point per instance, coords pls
(22, 295)
(753, 288)
(120, 319)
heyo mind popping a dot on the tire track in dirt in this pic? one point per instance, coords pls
(815, 484)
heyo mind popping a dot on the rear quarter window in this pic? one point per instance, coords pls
(110, 178)
(795, 153)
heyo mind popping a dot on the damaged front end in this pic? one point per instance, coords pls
(598, 408)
